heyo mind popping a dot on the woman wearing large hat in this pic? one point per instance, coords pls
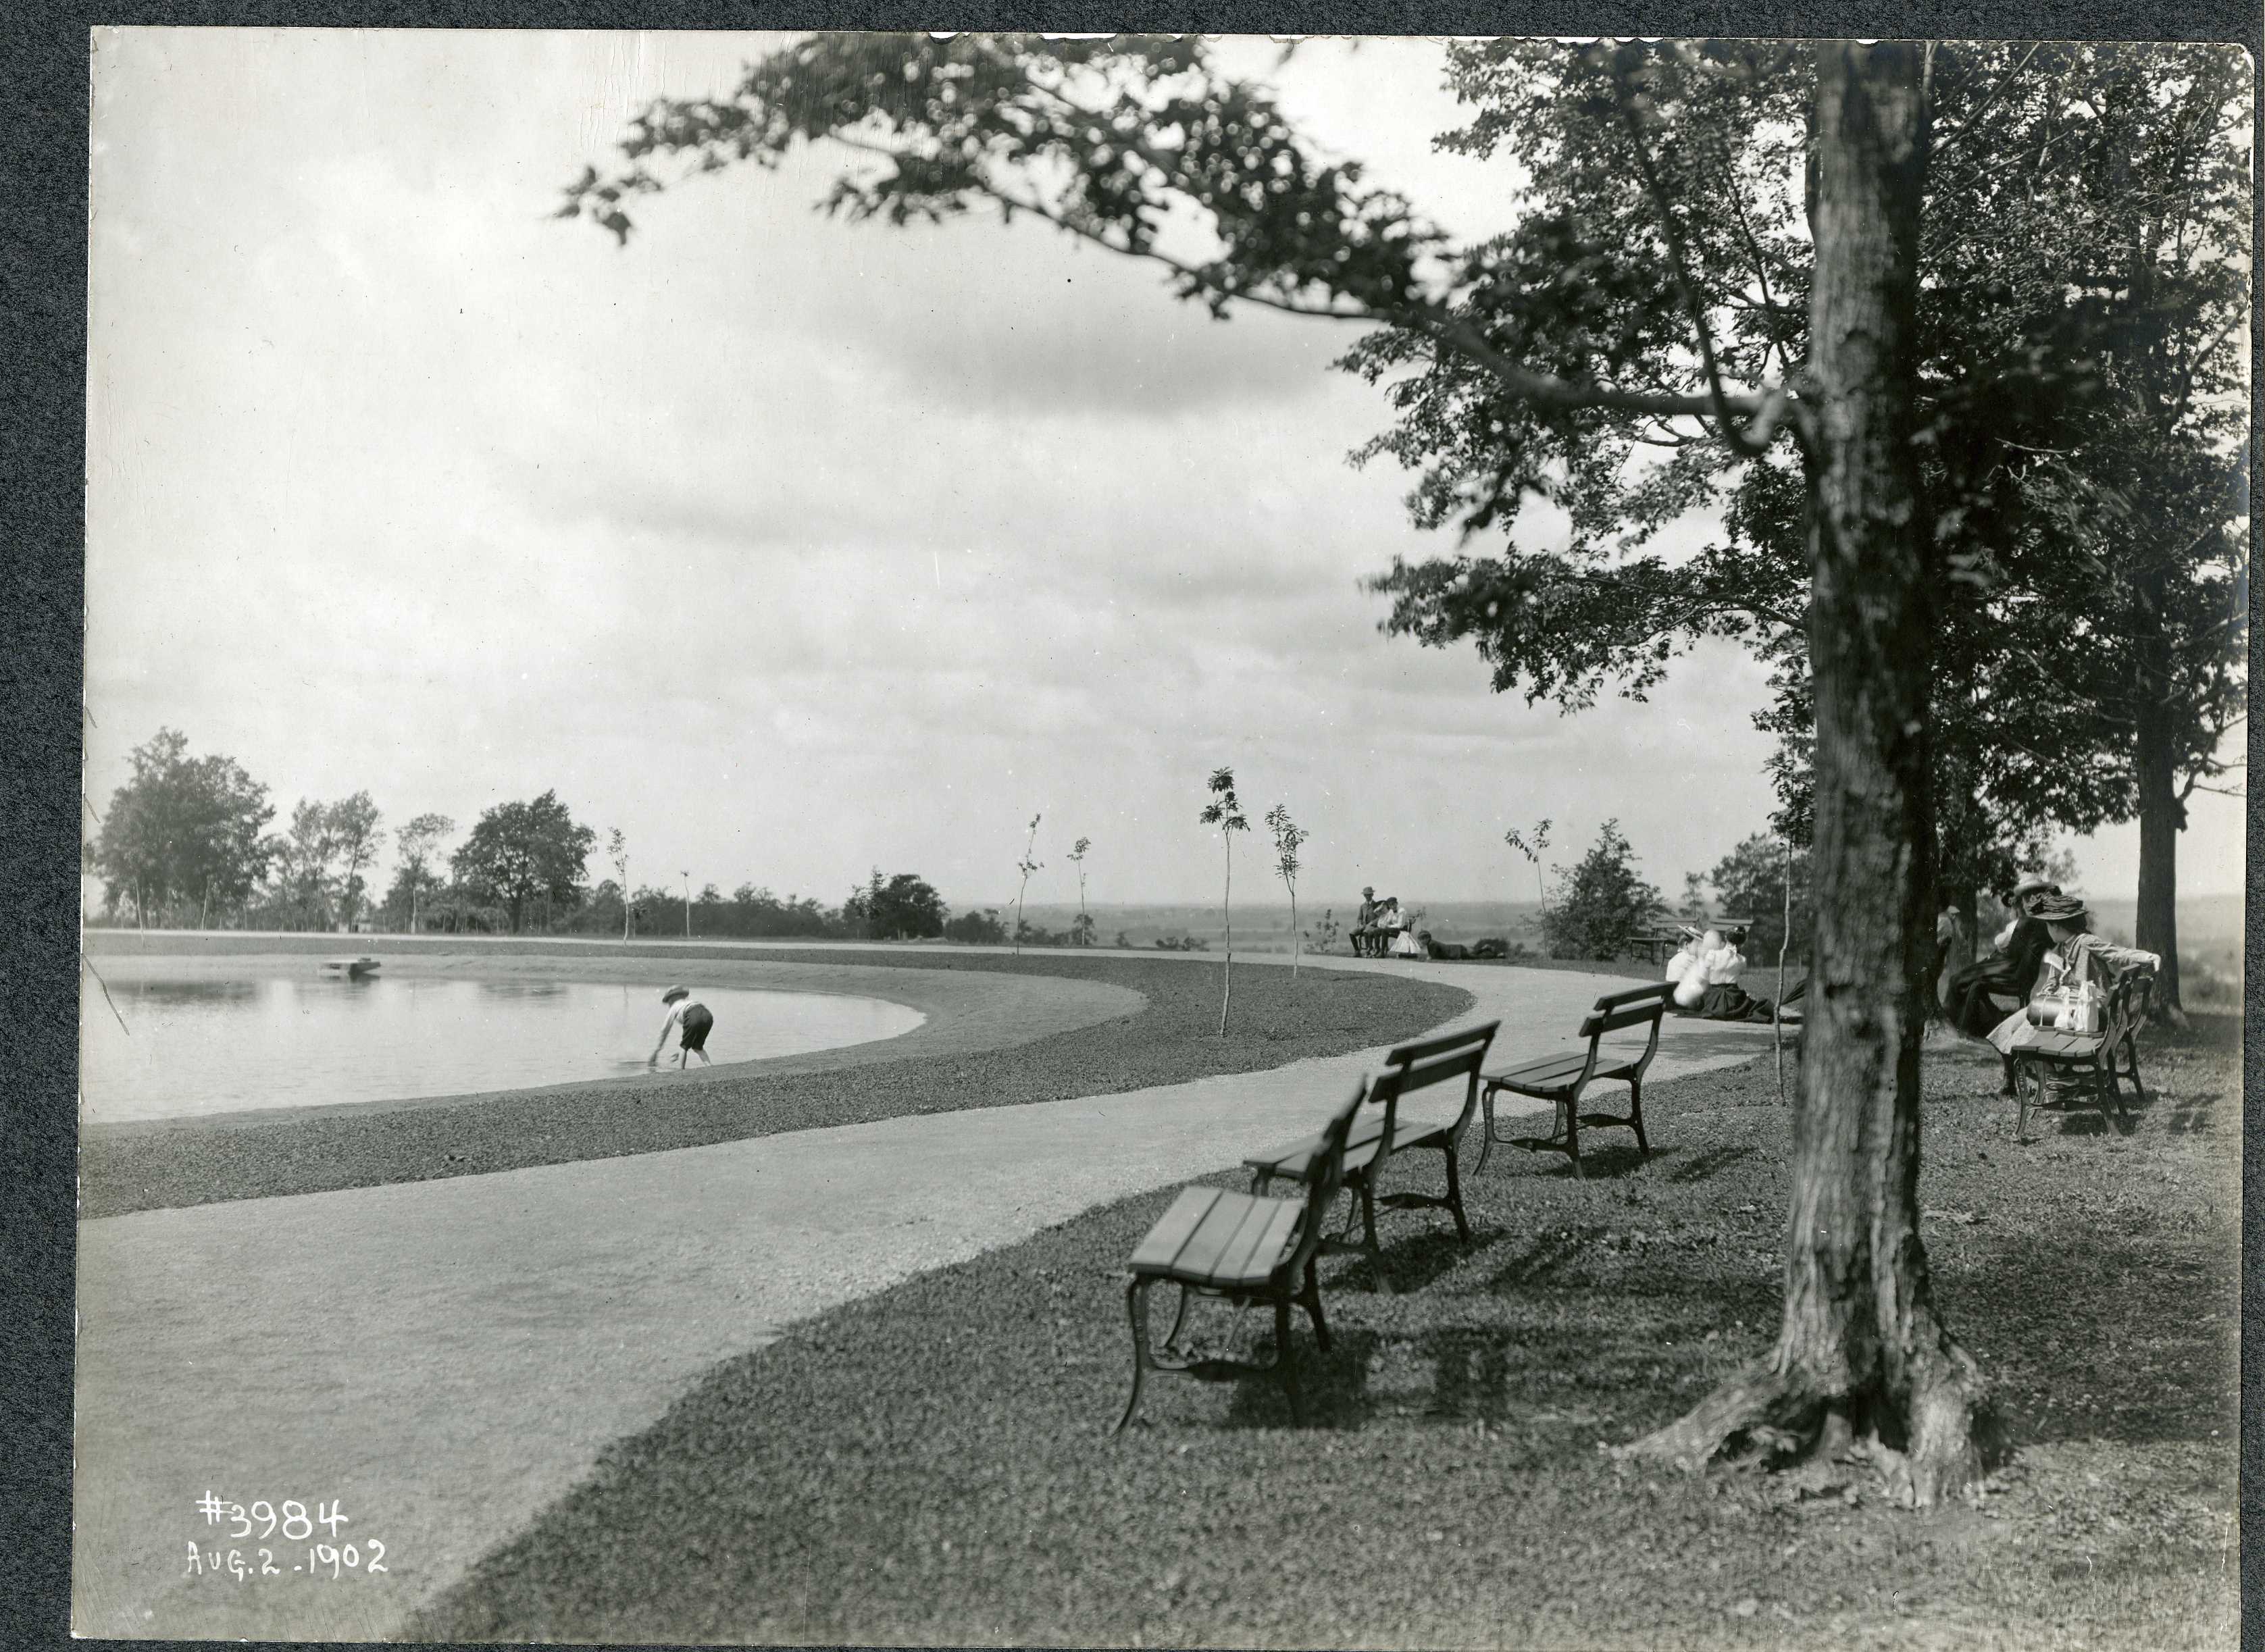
(2076, 957)
(1974, 1001)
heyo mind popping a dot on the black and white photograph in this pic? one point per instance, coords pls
(1130, 841)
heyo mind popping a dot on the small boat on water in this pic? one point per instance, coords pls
(350, 969)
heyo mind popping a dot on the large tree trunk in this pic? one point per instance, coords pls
(1862, 1358)
(2161, 814)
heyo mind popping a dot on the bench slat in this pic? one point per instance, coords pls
(1426, 1073)
(1638, 1006)
(1644, 1016)
(1268, 1239)
(1407, 1055)
(1294, 1161)
(1555, 1073)
(1169, 1236)
(1215, 1237)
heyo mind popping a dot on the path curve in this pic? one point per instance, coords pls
(447, 1357)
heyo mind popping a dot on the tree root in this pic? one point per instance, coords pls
(1759, 1414)
(1763, 1418)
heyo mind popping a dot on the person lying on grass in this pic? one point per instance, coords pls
(691, 1018)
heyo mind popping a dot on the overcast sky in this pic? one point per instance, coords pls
(791, 549)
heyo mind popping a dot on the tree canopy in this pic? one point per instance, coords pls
(519, 850)
(1601, 902)
(183, 829)
(907, 907)
(2081, 274)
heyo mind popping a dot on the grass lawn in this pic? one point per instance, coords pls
(1277, 1019)
(932, 1464)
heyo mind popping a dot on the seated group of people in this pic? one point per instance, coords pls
(2048, 945)
(1706, 976)
(1381, 930)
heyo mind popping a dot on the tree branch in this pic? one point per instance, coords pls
(1754, 251)
(1753, 440)
(1974, 115)
(1429, 319)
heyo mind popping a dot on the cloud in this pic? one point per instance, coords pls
(791, 548)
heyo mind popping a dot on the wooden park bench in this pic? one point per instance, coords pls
(1660, 944)
(2084, 1063)
(1561, 1079)
(1381, 1132)
(1243, 1249)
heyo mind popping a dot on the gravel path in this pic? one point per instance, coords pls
(446, 1356)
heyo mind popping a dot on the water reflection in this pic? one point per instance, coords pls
(220, 1045)
(158, 993)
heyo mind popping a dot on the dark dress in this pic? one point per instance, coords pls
(2010, 974)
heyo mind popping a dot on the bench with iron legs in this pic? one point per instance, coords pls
(1381, 1132)
(2084, 1063)
(1243, 1249)
(1561, 1079)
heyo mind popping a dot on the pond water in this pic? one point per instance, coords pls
(199, 1044)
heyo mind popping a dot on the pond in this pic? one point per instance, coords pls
(195, 1044)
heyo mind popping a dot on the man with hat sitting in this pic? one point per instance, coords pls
(1367, 938)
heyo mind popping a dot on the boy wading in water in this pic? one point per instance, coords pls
(688, 1013)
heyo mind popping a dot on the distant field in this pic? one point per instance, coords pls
(1262, 926)
(2206, 923)
(2209, 926)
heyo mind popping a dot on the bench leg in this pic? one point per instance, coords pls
(1455, 1195)
(2029, 1081)
(1289, 1364)
(1179, 1319)
(2109, 1092)
(1486, 1142)
(1368, 1228)
(2131, 1053)
(1635, 1115)
(1310, 1299)
(1136, 1307)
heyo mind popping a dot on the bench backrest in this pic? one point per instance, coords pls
(1322, 1187)
(2127, 1006)
(1634, 1007)
(1630, 1008)
(1440, 1060)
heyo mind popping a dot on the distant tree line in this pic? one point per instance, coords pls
(186, 843)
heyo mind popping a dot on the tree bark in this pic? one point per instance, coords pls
(1862, 1359)
(2162, 816)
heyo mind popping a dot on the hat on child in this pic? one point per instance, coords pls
(676, 993)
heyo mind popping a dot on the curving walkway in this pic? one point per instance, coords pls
(446, 1357)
